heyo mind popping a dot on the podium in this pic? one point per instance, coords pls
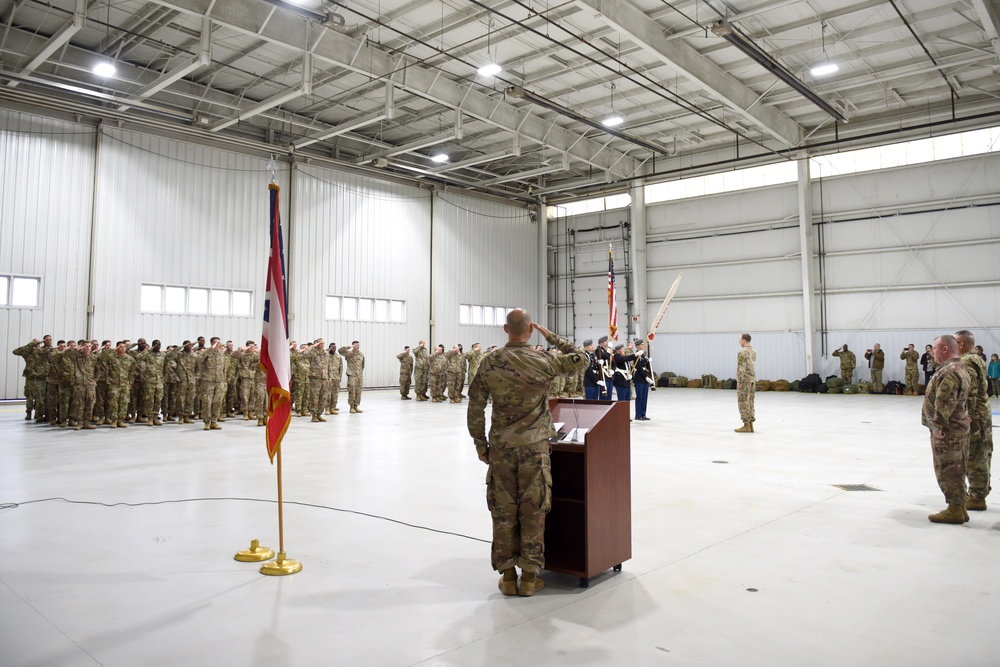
(589, 528)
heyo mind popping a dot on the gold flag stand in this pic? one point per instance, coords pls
(280, 566)
(254, 554)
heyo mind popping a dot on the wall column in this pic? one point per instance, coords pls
(806, 238)
(638, 218)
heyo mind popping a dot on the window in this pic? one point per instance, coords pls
(175, 300)
(364, 309)
(151, 299)
(485, 315)
(4, 285)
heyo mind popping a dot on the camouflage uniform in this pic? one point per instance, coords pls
(912, 372)
(84, 389)
(421, 366)
(405, 373)
(355, 374)
(211, 370)
(43, 361)
(28, 353)
(259, 394)
(232, 380)
(150, 366)
(558, 389)
(746, 382)
(456, 364)
(519, 479)
(52, 387)
(65, 365)
(120, 371)
(101, 390)
(300, 382)
(188, 387)
(246, 363)
(475, 358)
(876, 359)
(847, 363)
(136, 394)
(336, 374)
(319, 374)
(945, 410)
(980, 427)
(171, 385)
(438, 368)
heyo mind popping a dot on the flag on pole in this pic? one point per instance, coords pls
(274, 357)
(612, 297)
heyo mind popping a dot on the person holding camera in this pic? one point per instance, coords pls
(876, 362)
(910, 355)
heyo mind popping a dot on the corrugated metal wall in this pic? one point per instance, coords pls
(45, 222)
(359, 237)
(907, 253)
(178, 214)
(485, 254)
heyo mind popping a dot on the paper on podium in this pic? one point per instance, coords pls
(558, 426)
(575, 435)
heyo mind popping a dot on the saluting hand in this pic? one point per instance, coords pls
(540, 329)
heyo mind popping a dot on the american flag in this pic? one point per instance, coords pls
(612, 297)
(274, 356)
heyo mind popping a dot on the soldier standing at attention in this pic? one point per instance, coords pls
(319, 375)
(474, 357)
(355, 359)
(519, 481)
(438, 371)
(456, 368)
(746, 383)
(121, 367)
(641, 377)
(84, 387)
(421, 367)
(336, 373)
(847, 363)
(876, 362)
(604, 360)
(405, 372)
(593, 379)
(211, 369)
(911, 357)
(188, 386)
(981, 422)
(945, 414)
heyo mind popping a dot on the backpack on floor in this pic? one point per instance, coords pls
(810, 383)
(850, 389)
(781, 385)
(894, 387)
(729, 384)
(834, 381)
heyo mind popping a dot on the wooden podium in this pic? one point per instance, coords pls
(589, 528)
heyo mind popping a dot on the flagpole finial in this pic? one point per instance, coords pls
(272, 167)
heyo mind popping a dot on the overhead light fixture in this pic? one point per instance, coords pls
(439, 157)
(614, 120)
(104, 69)
(732, 34)
(824, 69)
(489, 70)
(297, 8)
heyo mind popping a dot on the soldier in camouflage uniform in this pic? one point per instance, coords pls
(474, 357)
(84, 387)
(519, 480)
(421, 367)
(138, 390)
(121, 368)
(746, 383)
(66, 365)
(101, 378)
(438, 369)
(319, 375)
(405, 372)
(336, 374)
(211, 371)
(186, 361)
(300, 379)
(52, 384)
(150, 364)
(34, 392)
(945, 414)
(981, 422)
(847, 363)
(232, 382)
(558, 388)
(259, 394)
(456, 364)
(355, 359)
(246, 363)
(42, 362)
(912, 373)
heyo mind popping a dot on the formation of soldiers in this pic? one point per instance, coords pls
(317, 372)
(84, 384)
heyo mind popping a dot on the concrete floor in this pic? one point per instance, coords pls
(744, 553)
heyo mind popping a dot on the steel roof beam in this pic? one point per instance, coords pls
(62, 36)
(989, 14)
(189, 65)
(701, 71)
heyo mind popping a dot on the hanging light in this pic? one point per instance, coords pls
(439, 157)
(614, 119)
(106, 68)
(491, 68)
(825, 67)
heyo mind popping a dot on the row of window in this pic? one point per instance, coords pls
(961, 144)
(359, 309)
(176, 300)
(19, 292)
(486, 315)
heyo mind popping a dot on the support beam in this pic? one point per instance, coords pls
(637, 215)
(989, 14)
(806, 235)
(190, 64)
(473, 161)
(273, 101)
(539, 214)
(408, 148)
(340, 50)
(56, 41)
(343, 128)
(624, 17)
(541, 171)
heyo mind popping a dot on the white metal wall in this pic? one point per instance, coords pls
(485, 254)
(45, 215)
(359, 237)
(177, 214)
(908, 253)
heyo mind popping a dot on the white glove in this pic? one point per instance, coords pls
(638, 353)
(600, 362)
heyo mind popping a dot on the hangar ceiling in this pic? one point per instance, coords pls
(390, 85)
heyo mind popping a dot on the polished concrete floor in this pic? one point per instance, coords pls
(116, 546)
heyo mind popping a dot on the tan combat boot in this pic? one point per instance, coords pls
(746, 428)
(121, 424)
(215, 426)
(976, 504)
(530, 584)
(953, 514)
(335, 411)
(353, 409)
(358, 410)
(89, 427)
(508, 582)
(260, 422)
(207, 427)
